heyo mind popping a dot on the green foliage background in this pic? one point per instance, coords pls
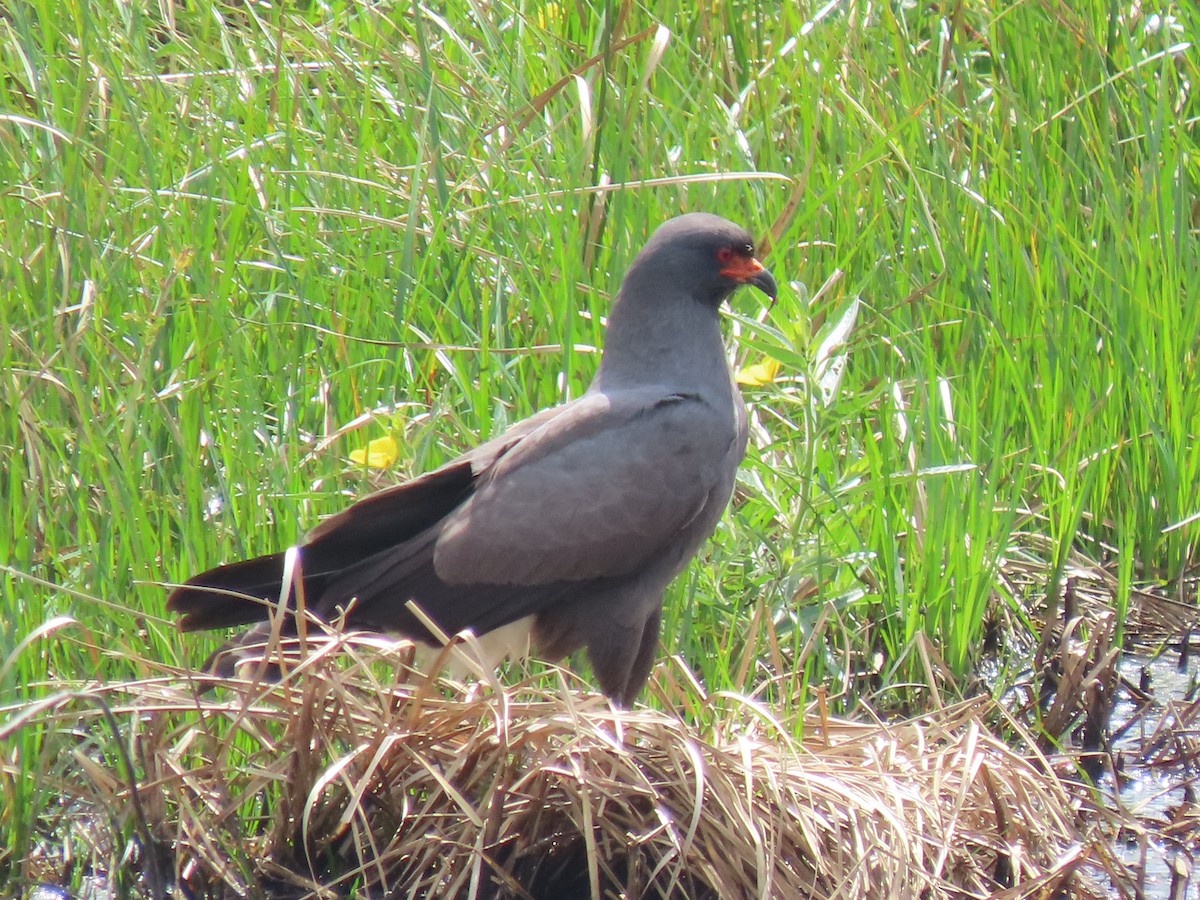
(228, 230)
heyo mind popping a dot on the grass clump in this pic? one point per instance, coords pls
(338, 781)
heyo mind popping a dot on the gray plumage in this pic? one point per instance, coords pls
(577, 517)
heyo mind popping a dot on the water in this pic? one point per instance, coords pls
(1156, 756)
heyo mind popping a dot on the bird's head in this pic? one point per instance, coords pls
(705, 255)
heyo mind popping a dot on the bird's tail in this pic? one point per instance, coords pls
(241, 593)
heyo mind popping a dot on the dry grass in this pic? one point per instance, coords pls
(342, 779)
(1152, 612)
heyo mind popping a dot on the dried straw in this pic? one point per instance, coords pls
(344, 779)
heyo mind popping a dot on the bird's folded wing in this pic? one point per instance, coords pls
(399, 513)
(601, 490)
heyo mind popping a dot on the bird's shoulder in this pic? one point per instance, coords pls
(651, 417)
(599, 490)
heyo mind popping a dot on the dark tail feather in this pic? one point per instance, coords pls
(243, 592)
(237, 594)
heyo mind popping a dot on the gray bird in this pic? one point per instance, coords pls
(566, 529)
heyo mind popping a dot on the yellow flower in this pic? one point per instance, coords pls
(548, 16)
(760, 373)
(380, 453)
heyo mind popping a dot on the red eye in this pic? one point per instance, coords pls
(724, 255)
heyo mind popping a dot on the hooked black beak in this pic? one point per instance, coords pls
(749, 270)
(765, 282)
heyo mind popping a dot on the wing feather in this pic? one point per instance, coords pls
(597, 493)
